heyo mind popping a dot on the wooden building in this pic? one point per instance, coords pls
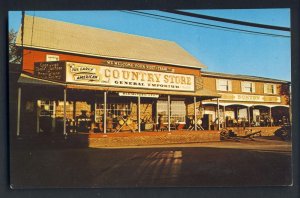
(257, 101)
(81, 79)
(72, 71)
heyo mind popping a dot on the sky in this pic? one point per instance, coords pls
(221, 51)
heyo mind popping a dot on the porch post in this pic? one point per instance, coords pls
(104, 117)
(139, 114)
(19, 111)
(169, 113)
(74, 123)
(156, 113)
(218, 113)
(224, 116)
(249, 121)
(195, 113)
(65, 112)
(38, 112)
(270, 115)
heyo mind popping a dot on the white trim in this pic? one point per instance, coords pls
(195, 113)
(139, 113)
(244, 104)
(114, 57)
(169, 113)
(105, 109)
(65, 111)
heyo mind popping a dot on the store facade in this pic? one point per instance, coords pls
(66, 91)
(80, 97)
(253, 101)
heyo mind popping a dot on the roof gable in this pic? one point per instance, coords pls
(67, 37)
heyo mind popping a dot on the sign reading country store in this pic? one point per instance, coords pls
(81, 73)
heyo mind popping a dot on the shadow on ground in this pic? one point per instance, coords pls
(246, 163)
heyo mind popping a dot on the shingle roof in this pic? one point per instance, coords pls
(243, 77)
(67, 37)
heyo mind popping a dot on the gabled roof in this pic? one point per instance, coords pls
(60, 36)
(241, 77)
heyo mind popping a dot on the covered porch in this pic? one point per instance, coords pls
(248, 114)
(64, 109)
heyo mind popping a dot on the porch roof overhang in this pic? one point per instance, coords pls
(30, 80)
(26, 79)
(245, 104)
(203, 93)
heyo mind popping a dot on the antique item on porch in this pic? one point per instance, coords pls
(83, 122)
(161, 124)
(126, 123)
(109, 123)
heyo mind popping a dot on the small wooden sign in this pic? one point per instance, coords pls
(54, 71)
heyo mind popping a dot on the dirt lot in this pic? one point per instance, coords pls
(263, 162)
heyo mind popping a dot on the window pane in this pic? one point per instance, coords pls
(247, 87)
(270, 89)
(223, 85)
(178, 110)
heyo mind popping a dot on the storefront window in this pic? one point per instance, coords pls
(178, 111)
(47, 108)
(113, 110)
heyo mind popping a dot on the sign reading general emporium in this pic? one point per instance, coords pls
(131, 78)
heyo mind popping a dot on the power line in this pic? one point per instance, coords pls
(204, 25)
(257, 25)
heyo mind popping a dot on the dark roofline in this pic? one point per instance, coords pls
(242, 77)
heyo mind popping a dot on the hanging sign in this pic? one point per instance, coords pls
(130, 78)
(135, 65)
(54, 70)
(138, 94)
(250, 98)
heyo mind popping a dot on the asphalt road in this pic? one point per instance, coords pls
(247, 163)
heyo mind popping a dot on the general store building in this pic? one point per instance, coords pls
(74, 74)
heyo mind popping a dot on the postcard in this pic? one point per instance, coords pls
(150, 98)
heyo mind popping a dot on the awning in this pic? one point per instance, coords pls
(26, 79)
(205, 93)
(245, 104)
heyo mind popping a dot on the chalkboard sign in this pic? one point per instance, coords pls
(54, 71)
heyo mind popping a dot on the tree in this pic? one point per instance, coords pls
(15, 53)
